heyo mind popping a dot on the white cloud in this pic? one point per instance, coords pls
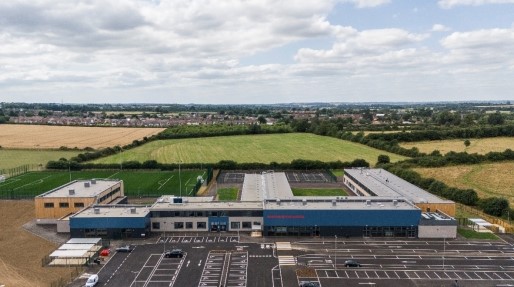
(447, 4)
(367, 3)
(440, 28)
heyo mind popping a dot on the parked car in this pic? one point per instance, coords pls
(105, 252)
(351, 263)
(92, 280)
(125, 248)
(175, 253)
(309, 284)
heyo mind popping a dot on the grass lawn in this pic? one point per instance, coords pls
(318, 192)
(471, 234)
(251, 148)
(338, 172)
(487, 179)
(480, 146)
(229, 194)
(136, 183)
(10, 158)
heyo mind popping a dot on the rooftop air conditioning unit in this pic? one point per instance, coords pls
(96, 210)
(86, 184)
(368, 202)
(71, 192)
(93, 181)
(133, 210)
(278, 201)
(334, 202)
(304, 201)
(395, 202)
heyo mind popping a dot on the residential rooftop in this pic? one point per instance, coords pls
(81, 188)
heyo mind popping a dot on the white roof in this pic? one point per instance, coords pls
(76, 246)
(81, 188)
(84, 240)
(480, 222)
(70, 253)
(267, 185)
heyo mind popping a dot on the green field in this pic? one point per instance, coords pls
(318, 192)
(10, 158)
(282, 148)
(471, 234)
(137, 183)
(229, 194)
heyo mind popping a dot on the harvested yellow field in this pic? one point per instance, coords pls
(480, 146)
(491, 179)
(51, 137)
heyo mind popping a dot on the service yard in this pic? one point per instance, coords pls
(214, 260)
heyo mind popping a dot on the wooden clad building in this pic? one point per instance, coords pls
(75, 196)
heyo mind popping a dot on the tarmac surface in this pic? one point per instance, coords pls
(229, 260)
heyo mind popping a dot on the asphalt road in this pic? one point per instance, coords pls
(214, 261)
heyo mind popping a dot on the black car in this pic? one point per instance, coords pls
(309, 284)
(175, 253)
(125, 248)
(351, 263)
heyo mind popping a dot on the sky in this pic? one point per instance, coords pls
(256, 51)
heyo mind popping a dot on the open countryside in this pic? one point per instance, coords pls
(52, 137)
(137, 183)
(250, 148)
(11, 158)
(480, 146)
(490, 179)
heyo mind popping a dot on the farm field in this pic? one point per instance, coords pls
(318, 192)
(137, 183)
(490, 179)
(21, 251)
(53, 137)
(11, 158)
(480, 146)
(250, 148)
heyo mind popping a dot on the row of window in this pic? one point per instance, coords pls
(203, 225)
(110, 194)
(64, 204)
(192, 213)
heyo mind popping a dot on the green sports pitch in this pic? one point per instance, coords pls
(136, 183)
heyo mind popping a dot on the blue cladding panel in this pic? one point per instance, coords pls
(341, 217)
(110, 222)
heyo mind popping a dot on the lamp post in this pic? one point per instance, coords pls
(135, 282)
(335, 253)
(444, 249)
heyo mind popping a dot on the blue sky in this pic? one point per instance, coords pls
(256, 51)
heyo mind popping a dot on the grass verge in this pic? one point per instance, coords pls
(471, 234)
(227, 194)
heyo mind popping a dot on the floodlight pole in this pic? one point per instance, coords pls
(69, 169)
(444, 249)
(179, 179)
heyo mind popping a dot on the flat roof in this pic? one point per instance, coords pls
(113, 211)
(266, 185)
(81, 188)
(70, 253)
(79, 246)
(383, 183)
(214, 205)
(84, 240)
(354, 203)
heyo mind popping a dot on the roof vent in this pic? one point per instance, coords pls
(71, 192)
(93, 181)
(395, 202)
(86, 184)
(133, 210)
(304, 201)
(96, 210)
(334, 202)
(278, 201)
(368, 202)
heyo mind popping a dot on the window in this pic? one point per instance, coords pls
(79, 204)
(235, 225)
(189, 225)
(49, 205)
(156, 225)
(179, 225)
(64, 205)
(247, 224)
(201, 225)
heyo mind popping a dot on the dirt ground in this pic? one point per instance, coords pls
(21, 252)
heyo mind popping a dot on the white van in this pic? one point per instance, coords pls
(92, 280)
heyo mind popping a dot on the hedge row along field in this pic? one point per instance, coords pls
(250, 148)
